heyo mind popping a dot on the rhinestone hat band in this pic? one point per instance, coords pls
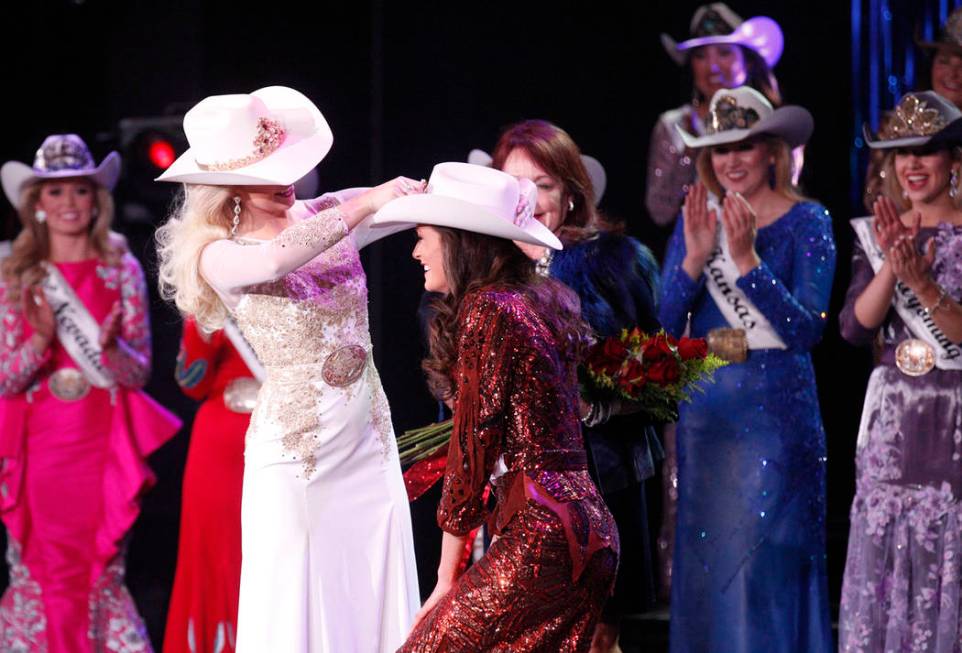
(726, 115)
(913, 117)
(269, 137)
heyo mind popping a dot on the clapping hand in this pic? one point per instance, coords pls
(911, 267)
(888, 225)
(39, 315)
(741, 226)
(110, 328)
(700, 227)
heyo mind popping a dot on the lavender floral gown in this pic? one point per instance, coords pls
(902, 574)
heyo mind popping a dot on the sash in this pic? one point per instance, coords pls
(77, 330)
(948, 355)
(721, 273)
(244, 348)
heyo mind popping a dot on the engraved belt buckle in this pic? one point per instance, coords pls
(344, 366)
(240, 395)
(728, 344)
(68, 384)
(914, 357)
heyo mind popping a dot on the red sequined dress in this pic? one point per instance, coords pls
(544, 581)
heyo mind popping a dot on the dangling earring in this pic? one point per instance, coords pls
(571, 204)
(954, 183)
(40, 215)
(236, 220)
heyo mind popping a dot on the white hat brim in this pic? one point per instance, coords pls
(15, 175)
(441, 211)
(794, 124)
(671, 47)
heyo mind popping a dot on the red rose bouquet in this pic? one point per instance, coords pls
(655, 372)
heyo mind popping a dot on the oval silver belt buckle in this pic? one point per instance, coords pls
(68, 384)
(914, 357)
(240, 395)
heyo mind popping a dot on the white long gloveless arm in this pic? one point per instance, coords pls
(229, 266)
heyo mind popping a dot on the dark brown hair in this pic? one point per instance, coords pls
(556, 153)
(475, 261)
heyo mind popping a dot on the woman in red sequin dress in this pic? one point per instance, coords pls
(504, 348)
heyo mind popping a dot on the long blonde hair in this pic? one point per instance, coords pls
(201, 215)
(23, 267)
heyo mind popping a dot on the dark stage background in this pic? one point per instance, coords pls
(406, 85)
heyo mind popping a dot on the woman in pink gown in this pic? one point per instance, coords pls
(75, 429)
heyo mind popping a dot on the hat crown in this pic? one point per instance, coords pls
(223, 128)
(497, 192)
(952, 29)
(919, 114)
(714, 19)
(737, 108)
(60, 152)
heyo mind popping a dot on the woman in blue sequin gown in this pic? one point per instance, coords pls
(749, 564)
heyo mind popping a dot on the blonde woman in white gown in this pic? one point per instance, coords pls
(328, 557)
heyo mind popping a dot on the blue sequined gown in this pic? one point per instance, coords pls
(749, 568)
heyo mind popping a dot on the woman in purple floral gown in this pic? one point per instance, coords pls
(902, 576)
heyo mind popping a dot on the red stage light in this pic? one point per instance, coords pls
(161, 153)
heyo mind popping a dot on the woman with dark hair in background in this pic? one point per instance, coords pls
(616, 279)
(753, 275)
(903, 583)
(75, 429)
(505, 344)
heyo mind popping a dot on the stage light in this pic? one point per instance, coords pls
(161, 153)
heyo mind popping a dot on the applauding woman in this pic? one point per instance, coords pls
(751, 263)
(75, 429)
(902, 576)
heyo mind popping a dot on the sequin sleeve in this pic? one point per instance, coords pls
(670, 170)
(129, 360)
(862, 274)
(798, 310)
(479, 412)
(19, 361)
(197, 360)
(678, 290)
(229, 266)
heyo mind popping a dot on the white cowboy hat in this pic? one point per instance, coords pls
(716, 24)
(60, 156)
(920, 119)
(271, 137)
(474, 198)
(596, 171)
(739, 113)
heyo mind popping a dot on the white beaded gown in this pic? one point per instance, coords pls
(328, 555)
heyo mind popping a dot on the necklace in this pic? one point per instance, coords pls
(543, 265)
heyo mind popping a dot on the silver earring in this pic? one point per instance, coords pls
(571, 205)
(954, 183)
(236, 220)
(40, 215)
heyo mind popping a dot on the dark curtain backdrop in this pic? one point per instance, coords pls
(404, 86)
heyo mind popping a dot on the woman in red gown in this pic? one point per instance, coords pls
(203, 607)
(504, 347)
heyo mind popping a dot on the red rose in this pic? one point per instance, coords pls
(608, 356)
(632, 377)
(689, 348)
(656, 348)
(665, 371)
